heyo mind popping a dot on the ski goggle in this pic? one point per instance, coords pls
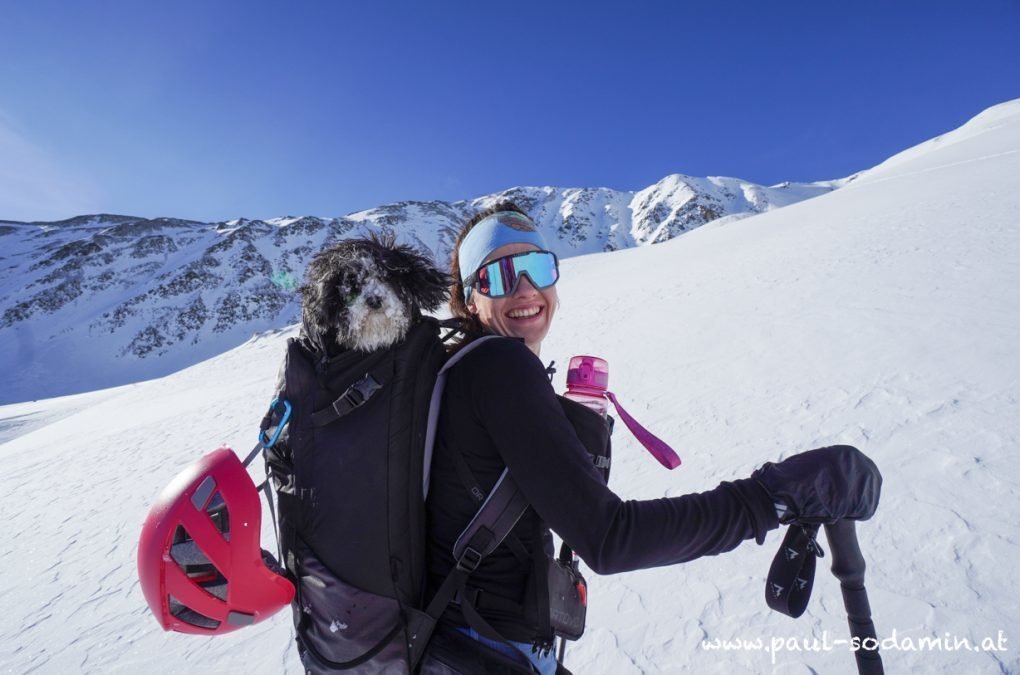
(499, 278)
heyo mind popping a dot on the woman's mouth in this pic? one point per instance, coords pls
(524, 313)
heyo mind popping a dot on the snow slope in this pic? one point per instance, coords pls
(884, 315)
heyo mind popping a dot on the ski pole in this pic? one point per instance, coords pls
(848, 566)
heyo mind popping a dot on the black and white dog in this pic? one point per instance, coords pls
(362, 294)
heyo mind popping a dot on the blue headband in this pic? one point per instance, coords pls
(492, 232)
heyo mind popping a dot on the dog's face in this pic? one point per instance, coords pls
(362, 293)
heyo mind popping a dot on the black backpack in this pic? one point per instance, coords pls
(350, 471)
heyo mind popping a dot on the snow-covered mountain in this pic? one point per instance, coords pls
(99, 301)
(884, 315)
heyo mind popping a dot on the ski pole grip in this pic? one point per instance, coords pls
(848, 566)
(847, 562)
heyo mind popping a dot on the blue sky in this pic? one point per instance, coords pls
(213, 110)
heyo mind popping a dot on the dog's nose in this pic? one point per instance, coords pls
(373, 301)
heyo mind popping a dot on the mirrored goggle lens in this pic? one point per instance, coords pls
(500, 277)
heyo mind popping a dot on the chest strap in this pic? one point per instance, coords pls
(353, 398)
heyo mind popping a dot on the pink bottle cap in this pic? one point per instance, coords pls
(588, 372)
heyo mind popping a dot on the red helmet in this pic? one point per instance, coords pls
(199, 574)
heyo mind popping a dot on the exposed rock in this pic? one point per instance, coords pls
(166, 286)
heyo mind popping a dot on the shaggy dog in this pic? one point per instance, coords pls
(363, 293)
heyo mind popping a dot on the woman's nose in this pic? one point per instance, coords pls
(525, 287)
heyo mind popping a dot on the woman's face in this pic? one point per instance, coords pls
(527, 313)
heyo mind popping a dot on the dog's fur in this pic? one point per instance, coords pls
(362, 294)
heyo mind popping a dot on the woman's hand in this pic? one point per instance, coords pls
(823, 485)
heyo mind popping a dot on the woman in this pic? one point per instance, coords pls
(500, 412)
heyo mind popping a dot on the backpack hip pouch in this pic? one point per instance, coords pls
(568, 599)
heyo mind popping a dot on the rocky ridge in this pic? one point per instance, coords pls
(125, 289)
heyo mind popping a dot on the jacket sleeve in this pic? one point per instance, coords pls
(515, 403)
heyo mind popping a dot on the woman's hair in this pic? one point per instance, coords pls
(470, 323)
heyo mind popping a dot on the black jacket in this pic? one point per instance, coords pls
(499, 410)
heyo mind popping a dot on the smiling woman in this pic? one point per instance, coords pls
(526, 309)
(504, 278)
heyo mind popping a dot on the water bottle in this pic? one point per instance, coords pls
(587, 382)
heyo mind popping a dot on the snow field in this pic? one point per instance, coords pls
(884, 315)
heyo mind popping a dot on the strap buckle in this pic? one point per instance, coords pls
(356, 394)
(469, 560)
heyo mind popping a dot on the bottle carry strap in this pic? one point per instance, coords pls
(655, 445)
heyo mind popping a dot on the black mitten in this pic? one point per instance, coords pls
(823, 485)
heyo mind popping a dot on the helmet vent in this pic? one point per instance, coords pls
(201, 495)
(190, 616)
(240, 619)
(190, 558)
(187, 554)
(217, 510)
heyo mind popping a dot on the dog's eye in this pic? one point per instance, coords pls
(350, 291)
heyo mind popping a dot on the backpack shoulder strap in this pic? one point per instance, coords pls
(498, 515)
(434, 403)
(492, 523)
